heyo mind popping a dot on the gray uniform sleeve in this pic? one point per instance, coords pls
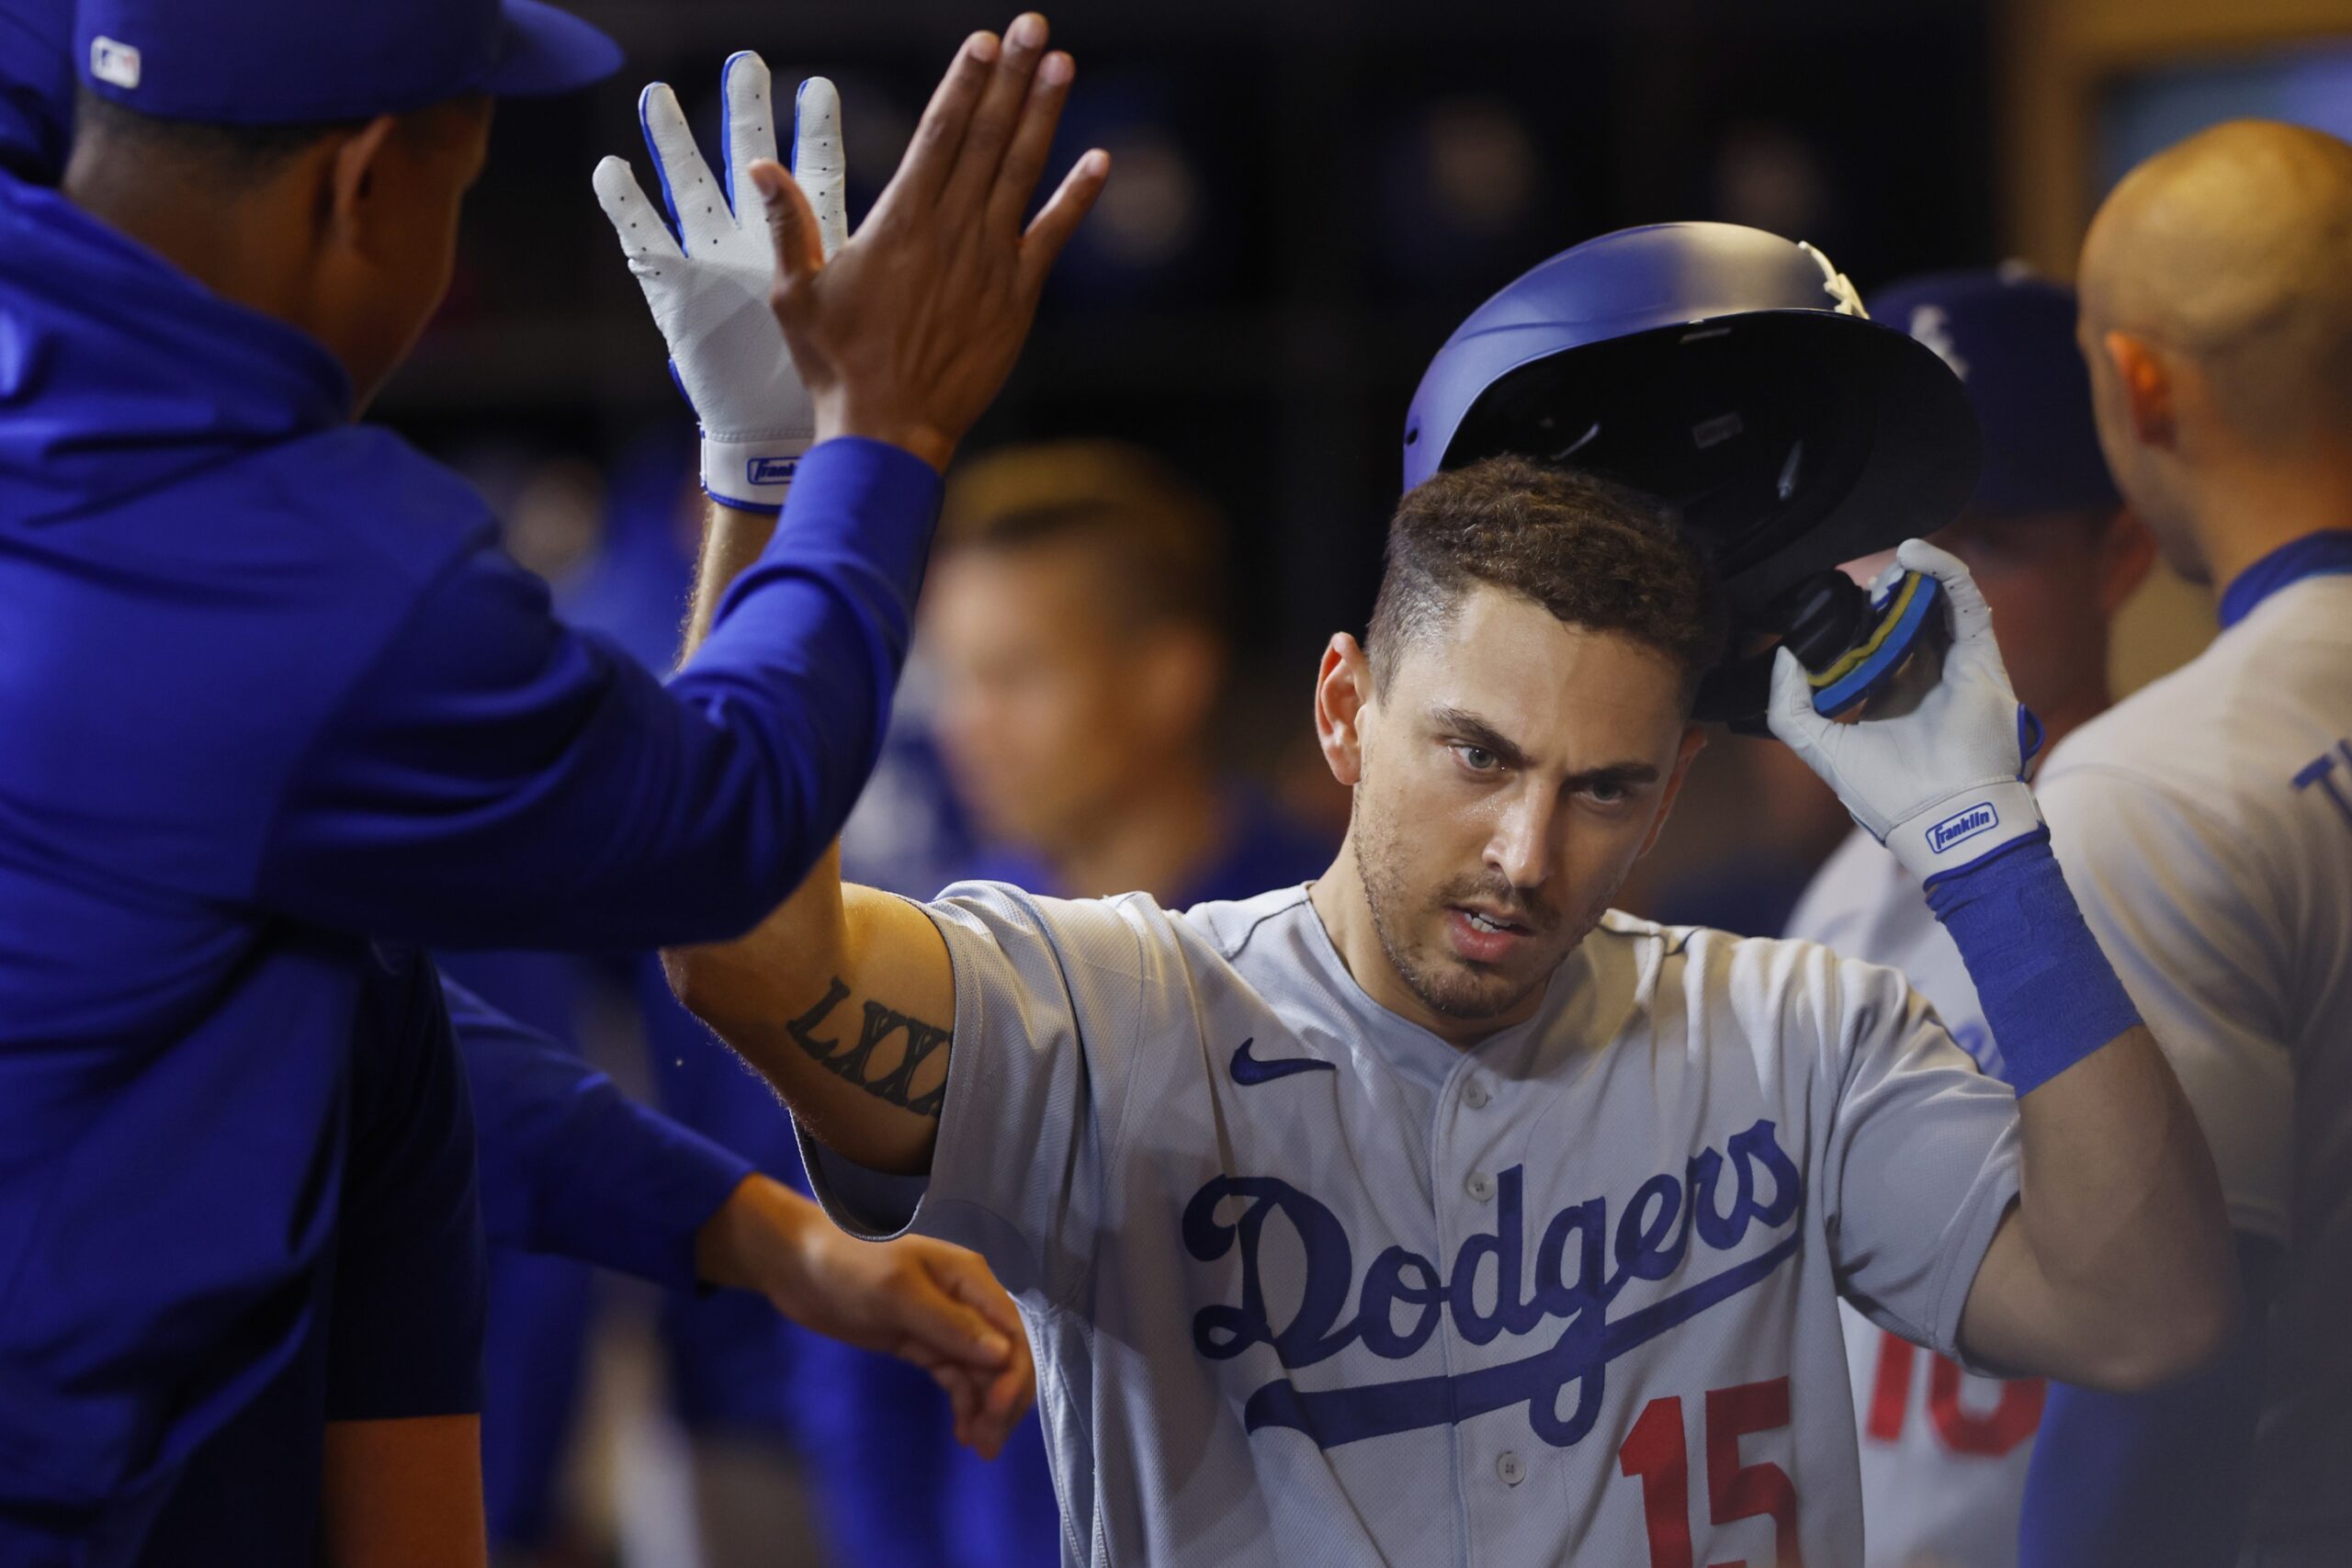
(1052, 999)
(1922, 1159)
(2172, 894)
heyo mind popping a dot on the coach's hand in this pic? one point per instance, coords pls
(1935, 770)
(924, 1302)
(906, 334)
(708, 279)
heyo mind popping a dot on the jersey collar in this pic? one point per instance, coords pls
(2325, 554)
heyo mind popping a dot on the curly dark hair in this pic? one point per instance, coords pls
(1595, 554)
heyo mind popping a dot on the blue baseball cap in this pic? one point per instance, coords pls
(302, 61)
(2009, 336)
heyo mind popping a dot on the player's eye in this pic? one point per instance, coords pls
(1477, 759)
(1607, 792)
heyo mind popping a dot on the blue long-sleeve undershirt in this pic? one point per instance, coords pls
(573, 1167)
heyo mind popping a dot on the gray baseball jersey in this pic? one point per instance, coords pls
(2206, 825)
(1309, 1286)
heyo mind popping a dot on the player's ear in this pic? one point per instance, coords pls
(1694, 740)
(354, 176)
(1343, 693)
(2147, 387)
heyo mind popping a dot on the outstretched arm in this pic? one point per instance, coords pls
(492, 778)
(845, 996)
(798, 997)
(572, 1166)
(2114, 1269)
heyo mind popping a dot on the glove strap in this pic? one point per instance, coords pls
(751, 475)
(2049, 994)
(1965, 829)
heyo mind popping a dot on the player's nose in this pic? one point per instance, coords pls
(1521, 844)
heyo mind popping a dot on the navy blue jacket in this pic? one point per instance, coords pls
(268, 693)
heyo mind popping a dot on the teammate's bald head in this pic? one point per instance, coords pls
(2232, 251)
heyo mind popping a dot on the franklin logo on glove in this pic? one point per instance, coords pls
(1963, 826)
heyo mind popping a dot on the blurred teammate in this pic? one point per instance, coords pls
(1076, 612)
(272, 699)
(1944, 1451)
(2207, 824)
(1434, 1212)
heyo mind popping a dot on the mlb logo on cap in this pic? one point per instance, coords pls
(114, 63)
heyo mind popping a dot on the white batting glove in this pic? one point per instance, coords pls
(1939, 781)
(707, 283)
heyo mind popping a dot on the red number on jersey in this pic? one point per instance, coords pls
(1656, 1450)
(1987, 1435)
(1891, 1390)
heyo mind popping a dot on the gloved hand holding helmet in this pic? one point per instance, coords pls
(1734, 375)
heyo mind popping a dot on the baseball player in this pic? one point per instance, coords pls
(1432, 1212)
(272, 696)
(1944, 1451)
(2205, 822)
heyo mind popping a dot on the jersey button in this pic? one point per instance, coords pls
(1510, 1468)
(1475, 1095)
(1481, 1186)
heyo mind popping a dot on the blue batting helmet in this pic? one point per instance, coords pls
(1727, 371)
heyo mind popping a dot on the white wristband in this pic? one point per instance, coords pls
(753, 475)
(1963, 828)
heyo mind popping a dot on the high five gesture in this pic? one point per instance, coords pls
(907, 334)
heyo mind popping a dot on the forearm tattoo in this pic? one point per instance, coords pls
(893, 1081)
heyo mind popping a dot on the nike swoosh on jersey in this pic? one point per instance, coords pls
(1248, 1071)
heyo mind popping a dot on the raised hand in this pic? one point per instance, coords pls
(906, 334)
(708, 271)
(1935, 770)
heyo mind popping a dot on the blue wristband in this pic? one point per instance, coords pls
(2050, 996)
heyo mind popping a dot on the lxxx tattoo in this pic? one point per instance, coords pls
(895, 1086)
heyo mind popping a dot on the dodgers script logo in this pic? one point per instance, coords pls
(1963, 825)
(1572, 1281)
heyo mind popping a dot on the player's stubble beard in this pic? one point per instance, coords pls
(1444, 982)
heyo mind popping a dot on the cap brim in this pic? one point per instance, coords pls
(543, 49)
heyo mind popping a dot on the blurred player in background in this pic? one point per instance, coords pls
(2206, 823)
(1077, 615)
(1944, 1450)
